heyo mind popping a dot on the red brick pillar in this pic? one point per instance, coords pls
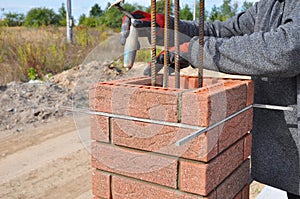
(137, 159)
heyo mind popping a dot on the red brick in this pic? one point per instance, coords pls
(186, 82)
(100, 97)
(154, 103)
(140, 165)
(200, 178)
(101, 184)
(161, 139)
(123, 188)
(209, 105)
(204, 147)
(238, 196)
(246, 192)
(99, 128)
(235, 182)
(236, 96)
(250, 92)
(195, 108)
(142, 81)
(209, 81)
(137, 101)
(247, 145)
(234, 129)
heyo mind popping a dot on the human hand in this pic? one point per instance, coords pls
(142, 21)
(183, 59)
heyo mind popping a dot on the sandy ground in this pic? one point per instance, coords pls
(50, 161)
(45, 162)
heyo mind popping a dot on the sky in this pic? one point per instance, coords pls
(83, 6)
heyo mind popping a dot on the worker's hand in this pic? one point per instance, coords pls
(143, 23)
(184, 57)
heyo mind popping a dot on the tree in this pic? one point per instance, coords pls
(14, 19)
(96, 11)
(160, 7)
(62, 15)
(41, 17)
(113, 17)
(225, 11)
(246, 5)
(185, 13)
(82, 19)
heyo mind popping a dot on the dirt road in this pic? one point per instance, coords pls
(45, 162)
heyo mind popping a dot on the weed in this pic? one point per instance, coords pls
(43, 49)
(31, 73)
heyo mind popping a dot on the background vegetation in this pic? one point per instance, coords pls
(34, 45)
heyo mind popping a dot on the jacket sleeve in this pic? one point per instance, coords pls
(275, 53)
(241, 24)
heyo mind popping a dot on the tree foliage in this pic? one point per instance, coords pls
(14, 19)
(227, 10)
(185, 13)
(113, 17)
(160, 7)
(246, 5)
(96, 11)
(41, 17)
(62, 13)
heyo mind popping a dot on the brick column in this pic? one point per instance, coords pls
(137, 159)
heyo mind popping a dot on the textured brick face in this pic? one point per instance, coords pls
(101, 184)
(123, 188)
(234, 129)
(139, 160)
(210, 174)
(235, 182)
(209, 105)
(99, 126)
(140, 165)
(161, 139)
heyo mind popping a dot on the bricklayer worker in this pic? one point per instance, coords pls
(263, 42)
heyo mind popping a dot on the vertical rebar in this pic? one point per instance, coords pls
(201, 44)
(166, 43)
(153, 42)
(176, 41)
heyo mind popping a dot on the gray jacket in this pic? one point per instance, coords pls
(263, 42)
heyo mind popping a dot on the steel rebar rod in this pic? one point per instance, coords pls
(166, 43)
(176, 41)
(153, 42)
(201, 44)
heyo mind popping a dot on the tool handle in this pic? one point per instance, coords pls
(128, 14)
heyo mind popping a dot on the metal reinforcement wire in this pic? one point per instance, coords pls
(153, 42)
(176, 41)
(166, 43)
(201, 44)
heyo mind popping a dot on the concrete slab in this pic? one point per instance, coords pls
(271, 193)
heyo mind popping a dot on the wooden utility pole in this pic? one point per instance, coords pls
(69, 22)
